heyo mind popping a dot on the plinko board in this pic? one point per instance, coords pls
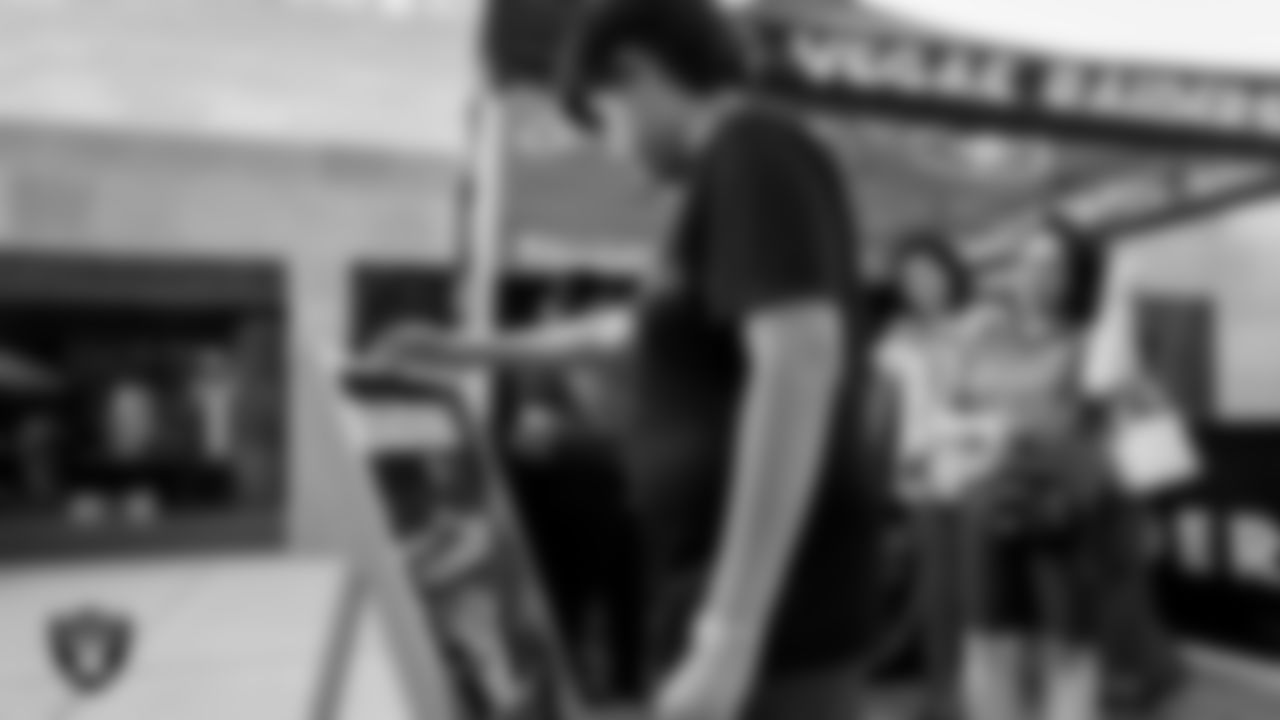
(459, 542)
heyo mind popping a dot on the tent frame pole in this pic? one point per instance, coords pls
(484, 238)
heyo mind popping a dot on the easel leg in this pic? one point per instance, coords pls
(943, 582)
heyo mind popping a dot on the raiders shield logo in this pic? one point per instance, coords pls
(90, 647)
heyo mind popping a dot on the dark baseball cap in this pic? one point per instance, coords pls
(692, 40)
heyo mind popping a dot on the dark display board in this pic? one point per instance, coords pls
(1219, 544)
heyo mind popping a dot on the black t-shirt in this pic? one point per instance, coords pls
(765, 223)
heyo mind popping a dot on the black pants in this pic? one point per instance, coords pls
(1047, 531)
(830, 694)
(1052, 582)
(589, 550)
(940, 531)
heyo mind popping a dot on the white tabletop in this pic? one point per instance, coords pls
(231, 639)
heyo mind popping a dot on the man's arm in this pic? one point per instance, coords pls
(796, 357)
(1111, 359)
(779, 267)
(600, 335)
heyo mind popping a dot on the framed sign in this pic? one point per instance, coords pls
(462, 546)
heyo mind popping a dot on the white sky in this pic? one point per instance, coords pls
(399, 73)
(368, 72)
(1219, 33)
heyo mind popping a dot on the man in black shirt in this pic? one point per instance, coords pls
(741, 437)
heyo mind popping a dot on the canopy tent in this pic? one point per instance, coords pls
(860, 63)
(937, 130)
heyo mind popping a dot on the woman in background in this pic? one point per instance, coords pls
(1044, 517)
(574, 494)
(932, 292)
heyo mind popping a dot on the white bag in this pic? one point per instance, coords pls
(1152, 452)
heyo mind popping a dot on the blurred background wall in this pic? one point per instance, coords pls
(1232, 263)
(312, 134)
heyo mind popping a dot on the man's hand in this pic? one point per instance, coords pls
(550, 346)
(407, 340)
(713, 681)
